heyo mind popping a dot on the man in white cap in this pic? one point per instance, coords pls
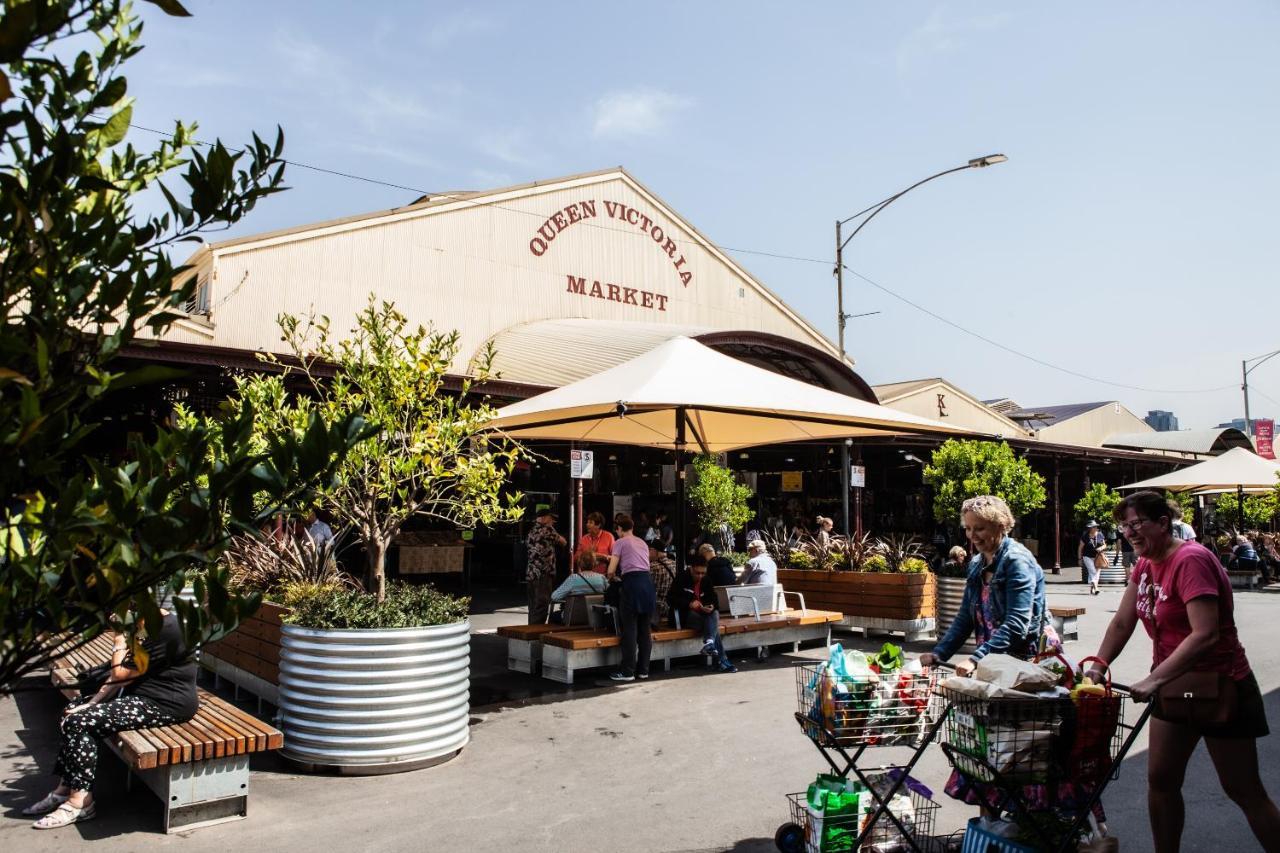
(760, 568)
(1090, 551)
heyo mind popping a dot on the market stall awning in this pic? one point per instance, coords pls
(1236, 469)
(682, 393)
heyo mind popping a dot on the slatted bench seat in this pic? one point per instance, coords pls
(1066, 621)
(200, 768)
(524, 646)
(566, 651)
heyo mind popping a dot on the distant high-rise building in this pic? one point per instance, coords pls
(1238, 423)
(1162, 421)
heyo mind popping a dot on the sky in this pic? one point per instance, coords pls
(1128, 240)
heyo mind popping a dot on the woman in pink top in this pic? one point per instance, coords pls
(1182, 596)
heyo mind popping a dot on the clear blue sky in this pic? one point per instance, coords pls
(1131, 235)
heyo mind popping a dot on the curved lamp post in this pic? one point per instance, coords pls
(841, 317)
(1245, 370)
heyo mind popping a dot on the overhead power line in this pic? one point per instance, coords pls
(826, 262)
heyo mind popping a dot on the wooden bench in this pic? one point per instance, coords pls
(524, 645)
(1065, 621)
(200, 768)
(566, 651)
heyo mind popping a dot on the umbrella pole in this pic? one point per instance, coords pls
(682, 546)
(1240, 504)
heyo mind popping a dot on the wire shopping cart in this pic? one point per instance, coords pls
(843, 716)
(1048, 759)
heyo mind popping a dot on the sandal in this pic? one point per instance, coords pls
(65, 815)
(48, 804)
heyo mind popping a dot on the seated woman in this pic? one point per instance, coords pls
(957, 559)
(694, 598)
(160, 693)
(585, 579)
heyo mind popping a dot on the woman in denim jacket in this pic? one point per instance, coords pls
(1004, 605)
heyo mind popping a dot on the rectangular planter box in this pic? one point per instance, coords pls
(895, 597)
(250, 655)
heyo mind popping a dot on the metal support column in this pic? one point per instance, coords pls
(1057, 517)
(682, 544)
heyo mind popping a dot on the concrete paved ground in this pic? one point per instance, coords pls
(686, 762)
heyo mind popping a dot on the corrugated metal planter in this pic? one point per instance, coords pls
(364, 701)
(950, 595)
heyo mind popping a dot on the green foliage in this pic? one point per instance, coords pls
(888, 659)
(1097, 505)
(875, 563)
(898, 549)
(799, 558)
(960, 470)
(90, 532)
(432, 456)
(1258, 510)
(717, 497)
(737, 558)
(403, 606)
(1186, 501)
(913, 566)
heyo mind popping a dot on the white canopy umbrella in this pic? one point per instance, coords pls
(683, 395)
(1236, 469)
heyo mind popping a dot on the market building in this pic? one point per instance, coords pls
(567, 277)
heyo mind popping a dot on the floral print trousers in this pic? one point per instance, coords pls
(78, 757)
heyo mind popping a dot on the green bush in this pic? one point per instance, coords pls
(913, 566)
(405, 606)
(738, 558)
(800, 559)
(875, 563)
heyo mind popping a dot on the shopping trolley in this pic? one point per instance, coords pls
(843, 717)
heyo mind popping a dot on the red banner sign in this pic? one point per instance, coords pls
(1264, 431)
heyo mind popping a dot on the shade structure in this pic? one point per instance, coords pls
(1236, 469)
(684, 395)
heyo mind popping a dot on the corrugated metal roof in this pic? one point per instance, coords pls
(557, 352)
(1212, 441)
(1053, 415)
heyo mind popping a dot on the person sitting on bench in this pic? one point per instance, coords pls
(125, 696)
(694, 598)
(760, 568)
(719, 568)
(584, 580)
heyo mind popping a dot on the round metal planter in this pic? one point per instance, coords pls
(365, 701)
(950, 594)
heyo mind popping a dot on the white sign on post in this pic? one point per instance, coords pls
(858, 476)
(581, 464)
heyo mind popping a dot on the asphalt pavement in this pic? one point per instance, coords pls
(688, 761)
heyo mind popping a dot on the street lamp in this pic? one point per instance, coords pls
(842, 318)
(1245, 370)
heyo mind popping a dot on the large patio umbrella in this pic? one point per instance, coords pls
(1237, 470)
(683, 396)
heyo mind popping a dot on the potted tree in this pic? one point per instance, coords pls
(718, 499)
(1097, 505)
(377, 681)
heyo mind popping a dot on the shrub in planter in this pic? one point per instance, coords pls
(798, 558)
(913, 566)
(875, 563)
(737, 558)
(333, 606)
(369, 685)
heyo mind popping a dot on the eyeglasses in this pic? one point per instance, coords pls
(1132, 526)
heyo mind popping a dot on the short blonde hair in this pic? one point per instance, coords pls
(989, 508)
(958, 554)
